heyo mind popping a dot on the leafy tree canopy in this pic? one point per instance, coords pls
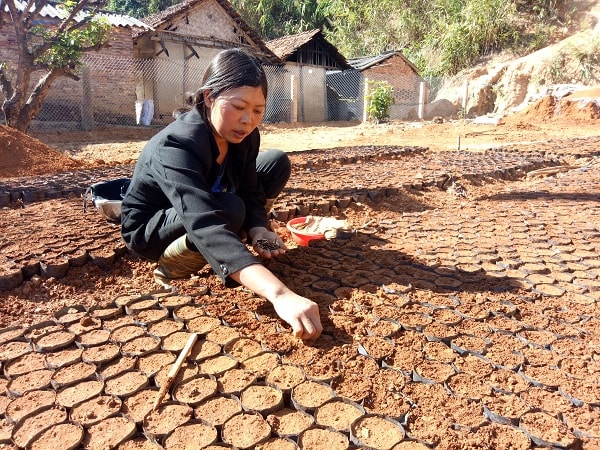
(440, 36)
(45, 52)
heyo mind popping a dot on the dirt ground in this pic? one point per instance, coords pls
(464, 307)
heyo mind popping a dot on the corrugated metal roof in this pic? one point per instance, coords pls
(365, 62)
(117, 20)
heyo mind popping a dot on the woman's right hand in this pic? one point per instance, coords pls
(300, 313)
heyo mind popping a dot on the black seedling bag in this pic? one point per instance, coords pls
(107, 197)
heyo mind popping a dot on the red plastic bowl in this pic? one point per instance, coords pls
(300, 236)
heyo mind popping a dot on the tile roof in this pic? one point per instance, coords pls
(156, 20)
(52, 10)
(284, 47)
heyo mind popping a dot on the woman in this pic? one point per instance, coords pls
(201, 183)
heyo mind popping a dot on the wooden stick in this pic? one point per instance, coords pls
(175, 369)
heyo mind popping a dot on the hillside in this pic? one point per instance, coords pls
(505, 84)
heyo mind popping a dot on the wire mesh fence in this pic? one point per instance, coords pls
(130, 92)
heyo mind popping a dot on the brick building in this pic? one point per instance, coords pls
(400, 73)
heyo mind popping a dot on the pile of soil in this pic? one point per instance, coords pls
(22, 155)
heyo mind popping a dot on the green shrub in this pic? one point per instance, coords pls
(379, 99)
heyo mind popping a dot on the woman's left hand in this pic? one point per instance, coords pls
(266, 243)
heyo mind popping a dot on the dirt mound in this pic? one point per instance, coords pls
(567, 110)
(22, 155)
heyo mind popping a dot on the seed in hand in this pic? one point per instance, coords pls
(267, 244)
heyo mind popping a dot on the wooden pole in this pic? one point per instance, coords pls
(175, 369)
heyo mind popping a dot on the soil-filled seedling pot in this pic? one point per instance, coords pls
(34, 424)
(140, 442)
(11, 276)
(243, 348)
(234, 381)
(66, 436)
(70, 314)
(14, 333)
(262, 364)
(286, 377)
(376, 432)
(75, 373)
(309, 395)
(96, 409)
(105, 312)
(163, 420)
(245, 430)
(223, 335)
(317, 438)
(140, 304)
(195, 390)
(151, 363)
(38, 330)
(54, 267)
(203, 324)
(138, 405)
(85, 324)
(546, 431)
(384, 328)
(376, 347)
(54, 341)
(290, 423)
(172, 302)
(186, 371)
(93, 337)
(188, 312)
(262, 398)
(24, 364)
(338, 414)
(29, 403)
(468, 344)
(80, 392)
(432, 372)
(109, 433)
(147, 317)
(100, 354)
(126, 384)
(31, 381)
(410, 445)
(116, 367)
(175, 341)
(126, 333)
(14, 349)
(217, 365)
(62, 358)
(218, 409)
(164, 328)
(279, 443)
(192, 435)
(140, 346)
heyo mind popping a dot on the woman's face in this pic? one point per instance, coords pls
(235, 113)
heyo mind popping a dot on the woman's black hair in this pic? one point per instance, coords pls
(230, 69)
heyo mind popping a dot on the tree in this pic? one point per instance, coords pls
(52, 51)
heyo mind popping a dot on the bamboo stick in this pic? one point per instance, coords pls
(175, 369)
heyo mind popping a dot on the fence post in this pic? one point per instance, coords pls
(294, 95)
(465, 96)
(87, 112)
(365, 101)
(421, 100)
